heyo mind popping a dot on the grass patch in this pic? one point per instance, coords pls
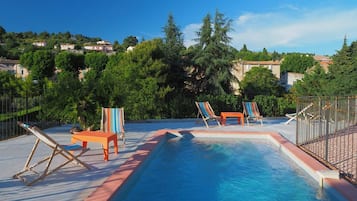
(7, 116)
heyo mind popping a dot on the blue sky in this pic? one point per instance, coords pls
(309, 26)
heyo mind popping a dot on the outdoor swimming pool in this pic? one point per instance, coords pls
(217, 169)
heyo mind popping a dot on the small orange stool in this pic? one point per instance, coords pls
(97, 136)
(239, 115)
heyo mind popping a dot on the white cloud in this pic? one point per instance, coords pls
(190, 34)
(282, 31)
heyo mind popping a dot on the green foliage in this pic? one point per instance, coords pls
(9, 84)
(272, 106)
(69, 61)
(15, 44)
(267, 105)
(260, 81)
(40, 63)
(69, 100)
(212, 61)
(341, 80)
(314, 83)
(173, 48)
(181, 106)
(117, 47)
(129, 41)
(222, 103)
(343, 71)
(96, 61)
(296, 62)
(247, 55)
(138, 81)
(62, 98)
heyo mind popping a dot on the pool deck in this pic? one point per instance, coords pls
(76, 183)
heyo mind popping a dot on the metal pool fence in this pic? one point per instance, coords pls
(327, 130)
(13, 109)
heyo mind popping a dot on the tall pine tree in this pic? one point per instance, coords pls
(173, 49)
(343, 71)
(212, 62)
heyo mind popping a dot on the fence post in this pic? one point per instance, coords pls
(327, 116)
(27, 106)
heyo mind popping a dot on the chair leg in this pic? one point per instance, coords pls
(122, 137)
(206, 123)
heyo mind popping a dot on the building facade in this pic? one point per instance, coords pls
(240, 68)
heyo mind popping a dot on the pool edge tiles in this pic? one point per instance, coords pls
(339, 188)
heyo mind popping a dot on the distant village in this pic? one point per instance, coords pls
(240, 67)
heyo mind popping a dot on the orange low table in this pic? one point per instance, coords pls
(239, 115)
(97, 136)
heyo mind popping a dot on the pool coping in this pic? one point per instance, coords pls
(340, 188)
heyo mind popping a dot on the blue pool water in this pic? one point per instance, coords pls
(211, 170)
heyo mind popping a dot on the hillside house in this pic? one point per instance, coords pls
(324, 61)
(67, 46)
(240, 67)
(39, 43)
(288, 79)
(13, 67)
(102, 46)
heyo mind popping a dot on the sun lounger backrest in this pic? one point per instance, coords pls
(39, 134)
(44, 137)
(252, 109)
(204, 109)
(113, 120)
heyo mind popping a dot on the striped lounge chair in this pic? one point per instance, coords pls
(36, 168)
(113, 121)
(206, 112)
(251, 111)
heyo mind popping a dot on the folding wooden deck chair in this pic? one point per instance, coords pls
(206, 112)
(64, 150)
(113, 121)
(251, 111)
(294, 115)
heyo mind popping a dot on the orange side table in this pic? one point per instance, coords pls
(239, 115)
(97, 136)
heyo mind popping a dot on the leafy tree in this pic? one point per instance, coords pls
(117, 47)
(2, 32)
(129, 41)
(274, 106)
(3, 52)
(26, 59)
(314, 83)
(61, 98)
(247, 55)
(44, 35)
(40, 63)
(341, 80)
(260, 81)
(264, 55)
(43, 64)
(276, 56)
(68, 61)
(89, 105)
(96, 61)
(9, 84)
(267, 104)
(137, 81)
(297, 63)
